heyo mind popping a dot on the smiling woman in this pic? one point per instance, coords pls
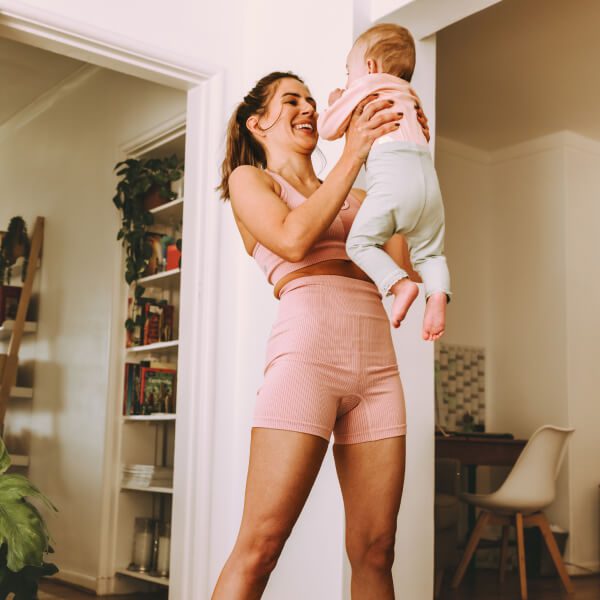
(331, 366)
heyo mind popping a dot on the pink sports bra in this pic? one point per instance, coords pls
(330, 245)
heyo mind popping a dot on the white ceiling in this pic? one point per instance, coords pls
(26, 73)
(518, 70)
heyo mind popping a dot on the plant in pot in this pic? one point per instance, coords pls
(144, 184)
(24, 537)
(15, 243)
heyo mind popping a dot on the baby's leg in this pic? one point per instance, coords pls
(393, 204)
(426, 242)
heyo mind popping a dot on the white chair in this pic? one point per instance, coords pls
(529, 487)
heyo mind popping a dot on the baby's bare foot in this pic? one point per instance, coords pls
(434, 322)
(405, 291)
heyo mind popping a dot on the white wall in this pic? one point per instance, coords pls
(582, 158)
(525, 297)
(60, 166)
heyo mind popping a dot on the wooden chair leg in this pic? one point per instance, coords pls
(503, 552)
(521, 555)
(482, 521)
(544, 526)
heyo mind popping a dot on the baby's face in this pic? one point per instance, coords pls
(356, 65)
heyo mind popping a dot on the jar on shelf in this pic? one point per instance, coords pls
(164, 549)
(143, 544)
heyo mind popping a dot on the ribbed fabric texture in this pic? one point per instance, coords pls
(331, 245)
(330, 363)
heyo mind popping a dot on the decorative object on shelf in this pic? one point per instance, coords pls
(15, 244)
(145, 183)
(143, 542)
(9, 302)
(24, 537)
(177, 187)
(164, 549)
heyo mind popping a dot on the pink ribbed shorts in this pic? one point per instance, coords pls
(330, 363)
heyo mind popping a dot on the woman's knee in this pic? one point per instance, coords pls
(259, 550)
(372, 552)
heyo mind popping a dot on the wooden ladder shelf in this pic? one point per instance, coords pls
(9, 373)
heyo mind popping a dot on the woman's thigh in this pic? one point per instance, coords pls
(371, 477)
(282, 469)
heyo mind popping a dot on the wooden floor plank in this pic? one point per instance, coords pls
(483, 584)
(54, 589)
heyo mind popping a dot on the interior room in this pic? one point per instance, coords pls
(509, 87)
(518, 157)
(68, 426)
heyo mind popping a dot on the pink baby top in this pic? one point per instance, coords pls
(329, 246)
(334, 120)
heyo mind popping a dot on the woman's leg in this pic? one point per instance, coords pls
(371, 476)
(282, 469)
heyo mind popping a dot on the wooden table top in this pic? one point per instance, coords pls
(479, 450)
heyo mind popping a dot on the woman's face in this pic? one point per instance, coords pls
(290, 122)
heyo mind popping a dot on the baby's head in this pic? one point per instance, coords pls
(384, 48)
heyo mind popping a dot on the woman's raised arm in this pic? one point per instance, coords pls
(291, 233)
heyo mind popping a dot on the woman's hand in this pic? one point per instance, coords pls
(423, 121)
(370, 120)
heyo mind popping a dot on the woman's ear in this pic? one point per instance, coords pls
(253, 126)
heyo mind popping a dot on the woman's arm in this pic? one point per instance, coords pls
(397, 248)
(291, 233)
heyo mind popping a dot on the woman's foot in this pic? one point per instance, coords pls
(434, 322)
(405, 291)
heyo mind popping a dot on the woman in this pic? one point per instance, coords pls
(330, 361)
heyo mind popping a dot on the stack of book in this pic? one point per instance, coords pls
(153, 321)
(150, 387)
(147, 476)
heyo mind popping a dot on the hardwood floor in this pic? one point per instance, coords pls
(53, 589)
(483, 585)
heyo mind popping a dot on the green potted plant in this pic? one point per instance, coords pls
(144, 184)
(15, 243)
(24, 537)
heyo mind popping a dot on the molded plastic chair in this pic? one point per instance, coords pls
(529, 487)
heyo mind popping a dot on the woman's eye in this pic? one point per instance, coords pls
(293, 102)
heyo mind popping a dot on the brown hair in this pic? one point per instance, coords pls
(393, 46)
(242, 148)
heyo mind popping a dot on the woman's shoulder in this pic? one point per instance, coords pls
(246, 177)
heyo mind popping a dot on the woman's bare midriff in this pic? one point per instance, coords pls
(345, 268)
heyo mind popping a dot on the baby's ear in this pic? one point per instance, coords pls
(372, 66)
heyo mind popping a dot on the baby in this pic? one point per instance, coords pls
(403, 193)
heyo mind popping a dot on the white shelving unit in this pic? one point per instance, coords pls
(147, 439)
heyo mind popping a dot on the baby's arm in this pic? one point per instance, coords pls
(334, 96)
(333, 122)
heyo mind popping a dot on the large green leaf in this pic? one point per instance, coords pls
(22, 527)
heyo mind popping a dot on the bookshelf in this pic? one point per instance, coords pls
(147, 439)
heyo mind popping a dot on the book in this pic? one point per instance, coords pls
(157, 390)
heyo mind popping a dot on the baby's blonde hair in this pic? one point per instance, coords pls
(392, 46)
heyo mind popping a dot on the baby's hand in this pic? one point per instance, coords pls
(335, 95)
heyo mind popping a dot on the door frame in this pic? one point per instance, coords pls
(204, 85)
